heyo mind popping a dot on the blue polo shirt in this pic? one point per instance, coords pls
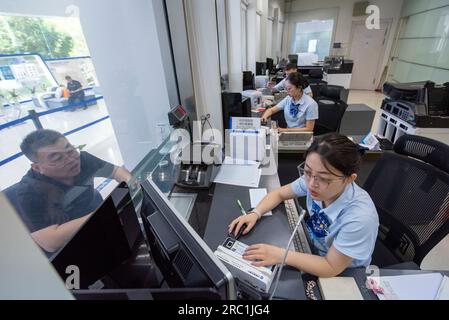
(350, 223)
(296, 113)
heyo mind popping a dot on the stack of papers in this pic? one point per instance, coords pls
(423, 286)
(339, 288)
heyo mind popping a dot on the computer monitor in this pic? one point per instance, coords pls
(270, 65)
(248, 80)
(293, 58)
(99, 246)
(183, 258)
(234, 105)
(261, 68)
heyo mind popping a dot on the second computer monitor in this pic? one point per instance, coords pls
(234, 105)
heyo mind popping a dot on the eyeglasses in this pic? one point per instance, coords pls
(307, 174)
(59, 159)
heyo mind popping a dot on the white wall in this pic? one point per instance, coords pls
(124, 46)
(389, 9)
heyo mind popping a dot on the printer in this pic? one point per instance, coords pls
(420, 108)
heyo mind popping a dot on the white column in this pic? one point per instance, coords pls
(263, 6)
(203, 45)
(234, 33)
(252, 32)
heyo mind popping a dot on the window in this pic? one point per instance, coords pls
(313, 36)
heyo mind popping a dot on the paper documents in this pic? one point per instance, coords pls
(339, 288)
(423, 286)
(230, 160)
(239, 175)
(256, 195)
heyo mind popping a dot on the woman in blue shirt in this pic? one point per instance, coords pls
(343, 220)
(300, 110)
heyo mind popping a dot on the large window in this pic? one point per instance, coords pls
(313, 37)
(51, 37)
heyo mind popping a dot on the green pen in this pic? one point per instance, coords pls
(241, 207)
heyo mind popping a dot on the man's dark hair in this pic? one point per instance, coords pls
(338, 151)
(38, 139)
(291, 66)
(68, 77)
(297, 80)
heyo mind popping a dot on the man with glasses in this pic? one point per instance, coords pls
(57, 195)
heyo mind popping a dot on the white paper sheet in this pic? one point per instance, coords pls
(410, 287)
(232, 161)
(256, 195)
(239, 175)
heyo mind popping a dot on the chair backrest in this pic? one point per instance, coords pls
(333, 92)
(411, 196)
(329, 117)
(280, 119)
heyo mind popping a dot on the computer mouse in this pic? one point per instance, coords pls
(240, 231)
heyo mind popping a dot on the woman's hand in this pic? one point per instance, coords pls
(249, 219)
(264, 117)
(280, 130)
(264, 255)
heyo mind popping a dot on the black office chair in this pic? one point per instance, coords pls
(280, 119)
(329, 117)
(332, 93)
(410, 189)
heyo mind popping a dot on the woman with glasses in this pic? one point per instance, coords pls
(343, 220)
(300, 110)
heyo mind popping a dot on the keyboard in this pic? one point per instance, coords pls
(300, 239)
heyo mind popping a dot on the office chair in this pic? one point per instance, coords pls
(280, 119)
(410, 188)
(329, 117)
(330, 92)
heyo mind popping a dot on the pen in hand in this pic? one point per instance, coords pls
(242, 211)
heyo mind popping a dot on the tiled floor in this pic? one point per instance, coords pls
(438, 257)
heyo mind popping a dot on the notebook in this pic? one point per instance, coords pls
(339, 288)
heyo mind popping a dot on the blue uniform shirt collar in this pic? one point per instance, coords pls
(301, 101)
(334, 210)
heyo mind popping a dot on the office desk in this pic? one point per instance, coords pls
(273, 229)
(360, 275)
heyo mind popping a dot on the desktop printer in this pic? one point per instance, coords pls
(230, 253)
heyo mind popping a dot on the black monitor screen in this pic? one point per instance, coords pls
(182, 256)
(99, 246)
(234, 106)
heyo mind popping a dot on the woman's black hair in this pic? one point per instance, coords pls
(297, 80)
(338, 151)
